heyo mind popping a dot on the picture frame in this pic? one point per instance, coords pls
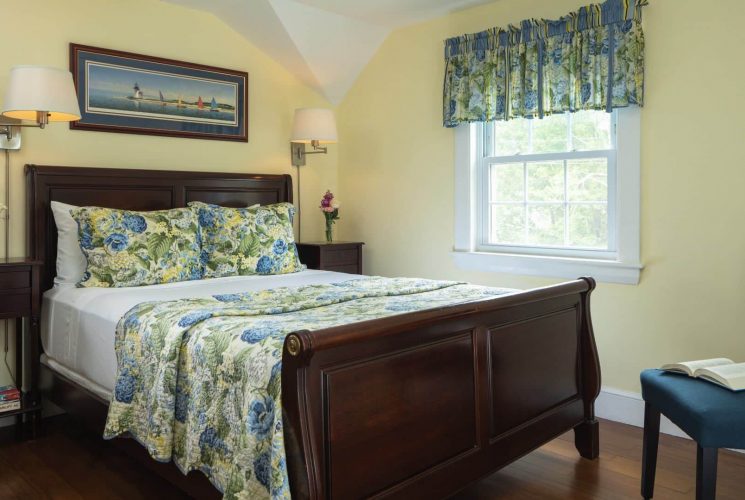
(138, 94)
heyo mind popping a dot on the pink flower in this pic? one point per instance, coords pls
(327, 202)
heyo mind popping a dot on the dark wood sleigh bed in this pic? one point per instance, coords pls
(411, 406)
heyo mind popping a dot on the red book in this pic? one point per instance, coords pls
(9, 394)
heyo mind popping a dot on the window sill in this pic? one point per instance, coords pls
(608, 271)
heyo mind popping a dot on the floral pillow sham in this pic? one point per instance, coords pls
(126, 249)
(247, 241)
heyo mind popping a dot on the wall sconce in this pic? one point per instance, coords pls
(40, 94)
(314, 126)
(35, 93)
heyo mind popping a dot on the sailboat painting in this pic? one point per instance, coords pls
(124, 92)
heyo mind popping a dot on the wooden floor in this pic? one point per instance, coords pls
(68, 463)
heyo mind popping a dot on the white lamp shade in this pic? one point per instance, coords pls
(314, 124)
(40, 88)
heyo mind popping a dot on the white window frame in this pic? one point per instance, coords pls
(621, 264)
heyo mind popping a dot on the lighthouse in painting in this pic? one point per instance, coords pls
(138, 92)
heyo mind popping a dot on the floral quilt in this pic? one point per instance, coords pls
(198, 380)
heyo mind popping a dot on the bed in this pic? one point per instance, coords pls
(510, 373)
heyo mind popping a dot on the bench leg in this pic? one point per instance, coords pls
(649, 454)
(587, 439)
(706, 473)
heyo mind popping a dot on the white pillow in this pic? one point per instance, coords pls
(71, 262)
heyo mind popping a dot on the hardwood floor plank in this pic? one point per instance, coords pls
(68, 463)
(13, 484)
(556, 471)
(28, 463)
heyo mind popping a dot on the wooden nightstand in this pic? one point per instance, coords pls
(342, 256)
(20, 297)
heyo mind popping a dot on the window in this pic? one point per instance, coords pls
(557, 196)
(548, 184)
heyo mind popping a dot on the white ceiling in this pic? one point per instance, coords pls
(325, 43)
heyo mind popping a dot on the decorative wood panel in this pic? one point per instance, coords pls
(532, 368)
(395, 406)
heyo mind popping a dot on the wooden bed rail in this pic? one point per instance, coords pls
(417, 405)
(305, 342)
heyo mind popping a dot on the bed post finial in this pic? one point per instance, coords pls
(294, 345)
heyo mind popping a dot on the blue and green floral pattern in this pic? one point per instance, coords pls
(590, 59)
(245, 241)
(126, 248)
(198, 380)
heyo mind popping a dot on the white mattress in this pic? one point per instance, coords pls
(78, 324)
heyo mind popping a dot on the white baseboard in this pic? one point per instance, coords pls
(628, 408)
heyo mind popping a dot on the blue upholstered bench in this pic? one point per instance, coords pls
(713, 416)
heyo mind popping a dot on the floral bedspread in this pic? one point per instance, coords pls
(198, 380)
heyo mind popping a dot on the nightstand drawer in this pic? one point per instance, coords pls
(13, 305)
(15, 279)
(340, 257)
(348, 268)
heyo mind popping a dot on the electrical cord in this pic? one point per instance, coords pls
(6, 217)
(5, 356)
(299, 239)
(7, 203)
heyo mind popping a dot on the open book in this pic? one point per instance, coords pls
(722, 371)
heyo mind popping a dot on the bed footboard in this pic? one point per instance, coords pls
(419, 405)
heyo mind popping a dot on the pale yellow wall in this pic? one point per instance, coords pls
(39, 31)
(396, 178)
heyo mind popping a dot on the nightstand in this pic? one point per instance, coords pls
(20, 297)
(342, 256)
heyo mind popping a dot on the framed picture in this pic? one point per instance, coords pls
(137, 94)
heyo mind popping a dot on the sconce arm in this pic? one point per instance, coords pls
(7, 130)
(42, 119)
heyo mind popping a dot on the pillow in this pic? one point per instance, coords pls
(70, 259)
(127, 248)
(246, 241)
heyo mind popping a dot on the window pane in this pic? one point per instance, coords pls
(510, 137)
(507, 224)
(587, 179)
(591, 130)
(546, 181)
(588, 226)
(550, 134)
(507, 182)
(546, 225)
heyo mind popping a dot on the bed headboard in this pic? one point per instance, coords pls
(133, 190)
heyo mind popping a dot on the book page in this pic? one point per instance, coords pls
(732, 376)
(690, 367)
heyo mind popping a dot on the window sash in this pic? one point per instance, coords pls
(487, 131)
(484, 203)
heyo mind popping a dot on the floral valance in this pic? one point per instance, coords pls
(590, 59)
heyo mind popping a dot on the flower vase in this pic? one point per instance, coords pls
(329, 231)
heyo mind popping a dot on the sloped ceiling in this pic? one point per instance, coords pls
(325, 43)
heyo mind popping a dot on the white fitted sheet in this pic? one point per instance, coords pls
(78, 324)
